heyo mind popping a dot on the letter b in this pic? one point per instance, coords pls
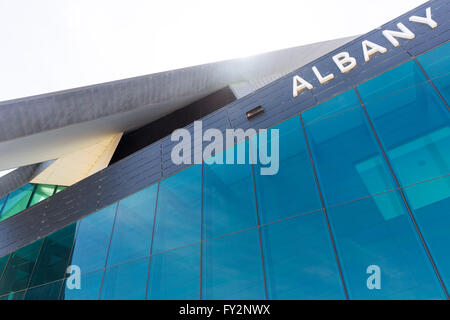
(344, 62)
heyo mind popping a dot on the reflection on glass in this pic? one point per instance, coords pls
(132, 235)
(42, 192)
(3, 261)
(348, 160)
(232, 267)
(2, 203)
(228, 196)
(14, 296)
(48, 291)
(299, 259)
(126, 281)
(340, 103)
(17, 201)
(19, 268)
(393, 81)
(178, 213)
(91, 244)
(378, 231)
(413, 126)
(54, 255)
(430, 203)
(60, 188)
(175, 275)
(436, 64)
(293, 189)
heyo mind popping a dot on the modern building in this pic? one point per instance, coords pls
(359, 207)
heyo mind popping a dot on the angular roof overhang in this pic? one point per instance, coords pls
(48, 126)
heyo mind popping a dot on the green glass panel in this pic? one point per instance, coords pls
(14, 296)
(60, 188)
(3, 261)
(20, 266)
(48, 291)
(54, 256)
(17, 201)
(2, 203)
(42, 192)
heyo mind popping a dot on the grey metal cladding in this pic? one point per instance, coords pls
(19, 177)
(217, 120)
(152, 163)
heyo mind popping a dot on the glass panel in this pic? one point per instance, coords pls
(293, 189)
(19, 268)
(3, 261)
(342, 102)
(126, 281)
(414, 128)
(430, 203)
(228, 196)
(178, 216)
(132, 235)
(378, 232)
(348, 160)
(404, 76)
(2, 203)
(232, 267)
(48, 291)
(299, 259)
(175, 275)
(90, 288)
(437, 63)
(60, 188)
(53, 259)
(14, 296)
(91, 245)
(17, 201)
(42, 192)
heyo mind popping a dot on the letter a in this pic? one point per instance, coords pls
(374, 48)
(405, 34)
(299, 84)
(374, 281)
(74, 280)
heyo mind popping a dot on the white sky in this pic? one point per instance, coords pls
(51, 45)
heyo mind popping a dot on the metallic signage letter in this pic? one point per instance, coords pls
(344, 62)
(299, 84)
(374, 48)
(405, 34)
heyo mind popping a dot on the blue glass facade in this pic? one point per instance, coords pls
(364, 180)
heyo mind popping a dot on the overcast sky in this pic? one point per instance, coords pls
(50, 45)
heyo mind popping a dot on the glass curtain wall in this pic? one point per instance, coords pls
(363, 185)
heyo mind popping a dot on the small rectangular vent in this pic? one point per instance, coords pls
(255, 112)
